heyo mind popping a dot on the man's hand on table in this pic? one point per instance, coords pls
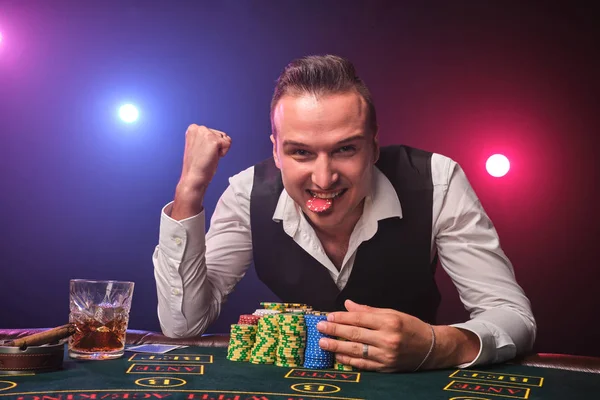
(396, 341)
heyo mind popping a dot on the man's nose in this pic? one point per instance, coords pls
(324, 176)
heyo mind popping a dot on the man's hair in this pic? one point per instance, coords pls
(322, 75)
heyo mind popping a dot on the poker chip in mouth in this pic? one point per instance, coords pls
(319, 204)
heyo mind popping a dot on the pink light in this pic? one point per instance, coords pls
(0, 37)
(497, 165)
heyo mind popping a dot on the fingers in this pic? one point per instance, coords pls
(224, 141)
(377, 358)
(350, 353)
(220, 134)
(362, 363)
(356, 338)
(352, 306)
(217, 137)
(366, 317)
(351, 349)
(362, 319)
(200, 130)
(349, 332)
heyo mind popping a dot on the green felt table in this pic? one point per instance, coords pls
(205, 373)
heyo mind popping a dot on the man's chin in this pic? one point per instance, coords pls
(324, 220)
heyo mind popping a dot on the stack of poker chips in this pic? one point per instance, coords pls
(283, 334)
(261, 312)
(274, 306)
(267, 336)
(297, 307)
(287, 307)
(248, 319)
(343, 367)
(292, 339)
(314, 356)
(241, 341)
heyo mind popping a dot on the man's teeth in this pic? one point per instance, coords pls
(326, 195)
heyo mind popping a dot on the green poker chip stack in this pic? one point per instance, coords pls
(264, 350)
(241, 342)
(273, 306)
(343, 367)
(292, 340)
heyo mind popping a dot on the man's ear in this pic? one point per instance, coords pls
(375, 146)
(275, 157)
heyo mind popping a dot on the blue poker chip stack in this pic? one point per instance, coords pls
(314, 356)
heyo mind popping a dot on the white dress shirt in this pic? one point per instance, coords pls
(194, 273)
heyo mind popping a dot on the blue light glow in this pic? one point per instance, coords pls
(129, 113)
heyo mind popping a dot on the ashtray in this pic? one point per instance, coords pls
(44, 358)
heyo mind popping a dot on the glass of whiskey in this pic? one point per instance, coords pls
(100, 312)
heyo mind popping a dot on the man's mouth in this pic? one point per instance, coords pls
(322, 201)
(327, 195)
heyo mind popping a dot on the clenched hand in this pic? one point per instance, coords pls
(204, 147)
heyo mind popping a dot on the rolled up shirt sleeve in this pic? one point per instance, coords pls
(194, 271)
(469, 250)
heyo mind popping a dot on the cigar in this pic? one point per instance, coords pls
(38, 339)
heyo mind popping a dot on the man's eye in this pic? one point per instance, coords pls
(346, 149)
(300, 152)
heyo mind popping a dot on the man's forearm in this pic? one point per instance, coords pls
(453, 346)
(185, 294)
(184, 309)
(188, 201)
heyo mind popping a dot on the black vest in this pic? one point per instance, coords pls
(392, 270)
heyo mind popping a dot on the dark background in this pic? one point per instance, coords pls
(81, 192)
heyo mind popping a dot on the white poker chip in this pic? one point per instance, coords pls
(262, 312)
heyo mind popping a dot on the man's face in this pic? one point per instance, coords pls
(323, 150)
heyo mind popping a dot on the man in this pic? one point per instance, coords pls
(334, 221)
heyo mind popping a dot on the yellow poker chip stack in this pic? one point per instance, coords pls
(311, 312)
(299, 311)
(297, 306)
(241, 342)
(292, 340)
(267, 338)
(343, 367)
(274, 306)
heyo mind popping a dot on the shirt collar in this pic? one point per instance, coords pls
(381, 203)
